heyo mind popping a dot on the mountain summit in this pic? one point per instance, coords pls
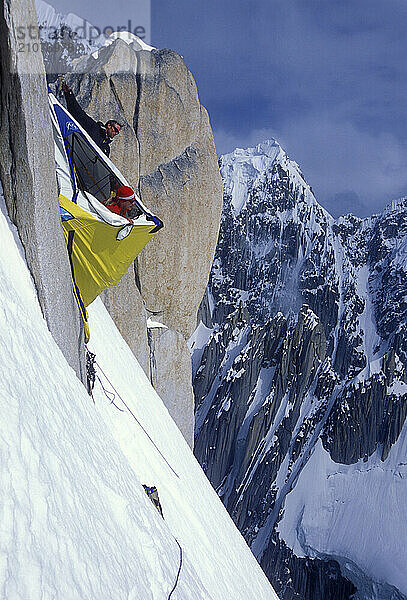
(242, 168)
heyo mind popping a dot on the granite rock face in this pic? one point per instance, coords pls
(170, 365)
(184, 192)
(27, 171)
(125, 306)
(167, 153)
(300, 380)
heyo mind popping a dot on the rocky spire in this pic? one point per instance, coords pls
(167, 153)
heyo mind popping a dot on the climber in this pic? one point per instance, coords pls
(152, 493)
(122, 202)
(102, 134)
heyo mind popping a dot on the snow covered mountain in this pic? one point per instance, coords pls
(64, 38)
(50, 23)
(300, 382)
(76, 522)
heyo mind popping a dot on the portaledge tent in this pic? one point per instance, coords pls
(101, 244)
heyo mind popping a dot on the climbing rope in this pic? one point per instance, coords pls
(91, 378)
(116, 393)
(152, 494)
(179, 569)
(109, 395)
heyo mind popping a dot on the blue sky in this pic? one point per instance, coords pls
(326, 78)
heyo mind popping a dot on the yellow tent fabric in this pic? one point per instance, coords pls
(101, 245)
(99, 259)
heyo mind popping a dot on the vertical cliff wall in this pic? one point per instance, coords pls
(167, 153)
(27, 171)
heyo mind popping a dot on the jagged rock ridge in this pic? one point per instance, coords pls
(301, 345)
(63, 38)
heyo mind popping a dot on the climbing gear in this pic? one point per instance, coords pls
(101, 245)
(152, 493)
(111, 396)
(90, 371)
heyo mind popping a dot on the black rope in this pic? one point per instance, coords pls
(109, 395)
(92, 376)
(179, 569)
(135, 418)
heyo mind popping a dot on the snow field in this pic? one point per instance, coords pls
(192, 509)
(331, 501)
(75, 521)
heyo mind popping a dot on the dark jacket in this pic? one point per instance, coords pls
(95, 129)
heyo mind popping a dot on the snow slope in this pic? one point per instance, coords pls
(129, 38)
(75, 521)
(331, 500)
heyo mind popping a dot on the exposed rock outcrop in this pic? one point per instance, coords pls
(27, 171)
(125, 306)
(167, 153)
(171, 375)
(300, 381)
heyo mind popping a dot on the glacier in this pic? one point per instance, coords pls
(357, 512)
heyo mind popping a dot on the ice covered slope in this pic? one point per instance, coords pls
(75, 521)
(356, 513)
